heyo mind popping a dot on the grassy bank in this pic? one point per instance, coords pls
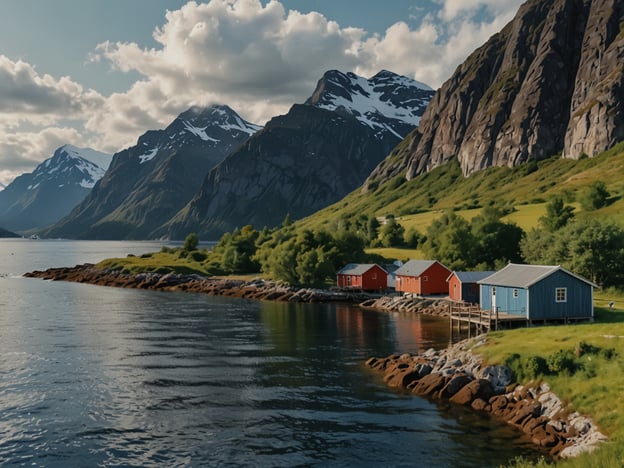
(584, 366)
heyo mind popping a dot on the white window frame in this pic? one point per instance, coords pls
(561, 295)
(515, 293)
(425, 278)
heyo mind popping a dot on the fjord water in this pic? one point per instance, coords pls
(96, 376)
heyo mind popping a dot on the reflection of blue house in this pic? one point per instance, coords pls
(538, 292)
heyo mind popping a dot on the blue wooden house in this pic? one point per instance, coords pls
(538, 292)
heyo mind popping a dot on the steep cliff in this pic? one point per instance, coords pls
(552, 81)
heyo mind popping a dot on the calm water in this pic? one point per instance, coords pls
(94, 376)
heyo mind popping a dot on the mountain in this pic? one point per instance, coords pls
(2, 186)
(42, 197)
(550, 82)
(6, 234)
(148, 183)
(307, 159)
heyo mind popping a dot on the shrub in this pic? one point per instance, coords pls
(562, 361)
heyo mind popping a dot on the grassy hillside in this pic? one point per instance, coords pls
(592, 383)
(525, 189)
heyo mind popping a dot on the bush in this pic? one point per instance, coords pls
(198, 255)
(562, 361)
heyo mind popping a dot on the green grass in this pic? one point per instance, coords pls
(525, 188)
(595, 389)
(158, 262)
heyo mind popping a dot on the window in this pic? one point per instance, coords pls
(515, 293)
(374, 275)
(425, 278)
(493, 290)
(561, 294)
(348, 280)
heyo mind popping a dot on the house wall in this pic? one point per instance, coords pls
(436, 280)
(375, 279)
(455, 289)
(542, 303)
(509, 300)
(470, 293)
(407, 284)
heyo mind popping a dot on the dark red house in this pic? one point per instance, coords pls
(463, 285)
(422, 277)
(364, 276)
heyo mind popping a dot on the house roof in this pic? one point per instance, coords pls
(470, 276)
(415, 267)
(524, 276)
(357, 268)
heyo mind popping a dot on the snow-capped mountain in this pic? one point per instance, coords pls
(307, 159)
(149, 182)
(42, 197)
(387, 102)
(2, 186)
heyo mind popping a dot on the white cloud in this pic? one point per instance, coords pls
(259, 59)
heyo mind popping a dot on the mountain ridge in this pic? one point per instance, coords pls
(39, 198)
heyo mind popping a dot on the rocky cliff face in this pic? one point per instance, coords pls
(552, 81)
(148, 183)
(307, 159)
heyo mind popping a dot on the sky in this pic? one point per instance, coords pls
(100, 73)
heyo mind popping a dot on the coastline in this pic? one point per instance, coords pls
(259, 289)
(458, 375)
(455, 374)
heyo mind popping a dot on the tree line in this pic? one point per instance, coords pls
(591, 247)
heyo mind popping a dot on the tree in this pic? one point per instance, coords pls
(595, 196)
(191, 242)
(391, 233)
(557, 214)
(451, 242)
(591, 248)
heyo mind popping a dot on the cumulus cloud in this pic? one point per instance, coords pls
(257, 58)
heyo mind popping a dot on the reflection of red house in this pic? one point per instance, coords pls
(463, 285)
(422, 277)
(367, 277)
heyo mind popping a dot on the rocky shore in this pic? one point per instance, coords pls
(255, 289)
(458, 375)
(409, 304)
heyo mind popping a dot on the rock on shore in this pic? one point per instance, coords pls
(254, 289)
(410, 304)
(458, 375)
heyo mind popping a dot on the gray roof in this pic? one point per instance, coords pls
(356, 268)
(415, 267)
(471, 276)
(524, 276)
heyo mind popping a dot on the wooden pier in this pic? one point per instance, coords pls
(472, 318)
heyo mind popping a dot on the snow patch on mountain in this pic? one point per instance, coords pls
(200, 132)
(149, 155)
(379, 102)
(98, 158)
(68, 166)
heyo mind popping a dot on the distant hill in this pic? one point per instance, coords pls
(6, 234)
(307, 159)
(551, 82)
(42, 197)
(148, 183)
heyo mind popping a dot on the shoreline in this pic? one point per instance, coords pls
(454, 374)
(458, 375)
(258, 288)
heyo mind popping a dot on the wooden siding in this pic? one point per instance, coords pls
(539, 300)
(374, 279)
(579, 300)
(510, 300)
(431, 281)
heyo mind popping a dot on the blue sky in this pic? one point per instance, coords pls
(99, 73)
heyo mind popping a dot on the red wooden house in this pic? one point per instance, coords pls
(463, 285)
(367, 277)
(422, 277)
